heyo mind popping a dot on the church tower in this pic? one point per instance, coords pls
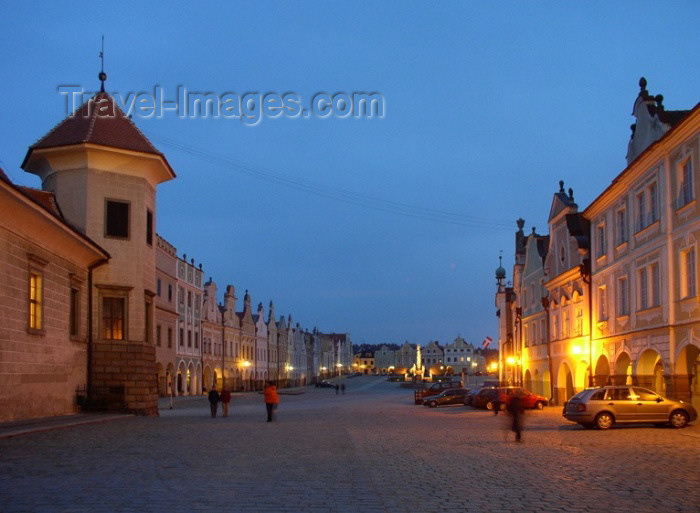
(104, 172)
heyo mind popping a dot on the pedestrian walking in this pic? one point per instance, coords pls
(516, 410)
(271, 400)
(225, 397)
(214, 400)
(336, 389)
(342, 388)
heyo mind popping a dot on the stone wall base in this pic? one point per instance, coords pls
(124, 378)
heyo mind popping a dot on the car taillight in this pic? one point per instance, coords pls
(580, 407)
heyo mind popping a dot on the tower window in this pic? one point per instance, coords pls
(113, 317)
(117, 219)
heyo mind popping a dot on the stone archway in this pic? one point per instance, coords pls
(537, 384)
(581, 377)
(527, 380)
(685, 381)
(169, 381)
(547, 386)
(650, 371)
(191, 380)
(564, 387)
(162, 381)
(601, 374)
(181, 379)
(207, 378)
(198, 378)
(623, 370)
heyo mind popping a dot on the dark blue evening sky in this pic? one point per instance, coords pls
(389, 229)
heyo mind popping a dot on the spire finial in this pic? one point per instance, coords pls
(102, 76)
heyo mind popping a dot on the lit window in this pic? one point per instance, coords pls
(36, 301)
(113, 312)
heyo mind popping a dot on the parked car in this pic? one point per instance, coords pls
(434, 389)
(325, 384)
(487, 397)
(470, 395)
(449, 396)
(603, 407)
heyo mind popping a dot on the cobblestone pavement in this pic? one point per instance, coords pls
(370, 450)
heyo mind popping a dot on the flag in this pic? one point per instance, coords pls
(487, 342)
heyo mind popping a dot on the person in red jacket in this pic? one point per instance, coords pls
(225, 398)
(271, 400)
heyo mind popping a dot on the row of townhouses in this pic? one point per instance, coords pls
(609, 295)
(99, 311)
(201, 342)
(435, 359)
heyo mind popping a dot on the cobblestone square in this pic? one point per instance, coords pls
(369, 450)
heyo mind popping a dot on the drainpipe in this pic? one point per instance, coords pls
(586, 276)
(223, 349)
(91, 268)
(545, 305)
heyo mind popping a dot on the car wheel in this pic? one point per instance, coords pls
(604, 420)
(539, 405)
(678, 419)
(489, 406)
(432, 404)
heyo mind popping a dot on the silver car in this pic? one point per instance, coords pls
(604, 406)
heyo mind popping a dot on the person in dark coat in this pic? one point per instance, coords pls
(213, 400)
(516, 410)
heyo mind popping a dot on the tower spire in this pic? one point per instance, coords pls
(102, 76)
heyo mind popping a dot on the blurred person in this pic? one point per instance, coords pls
(271, 400)
(516, 411)
(225, 397)
(214, 400)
